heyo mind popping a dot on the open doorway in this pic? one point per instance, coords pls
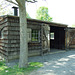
(57, 38)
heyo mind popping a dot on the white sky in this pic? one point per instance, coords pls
(62, 11)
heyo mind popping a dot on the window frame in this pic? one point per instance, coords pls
(52, 33)
(38, 38)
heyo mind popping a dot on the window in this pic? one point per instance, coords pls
(35, 35)
(52, 35)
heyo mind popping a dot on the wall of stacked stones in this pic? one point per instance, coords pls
(4, 37)
(10, 43)
(70, 37)
(13, 38)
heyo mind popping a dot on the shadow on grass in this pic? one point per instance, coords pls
(4, 70)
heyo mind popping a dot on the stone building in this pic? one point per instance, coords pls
(42, 36)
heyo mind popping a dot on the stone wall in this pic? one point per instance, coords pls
(71, 38)
(4, 37)
(10, 38)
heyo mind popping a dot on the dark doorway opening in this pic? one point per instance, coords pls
(57, 37)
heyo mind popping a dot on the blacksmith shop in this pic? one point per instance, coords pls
(43, 37)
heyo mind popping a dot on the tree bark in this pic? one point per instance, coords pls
(23, 60)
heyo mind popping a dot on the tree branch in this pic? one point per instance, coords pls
(12, 2)
(31, 1)
(18, 1)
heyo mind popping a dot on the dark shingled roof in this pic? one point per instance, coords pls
(40, 21)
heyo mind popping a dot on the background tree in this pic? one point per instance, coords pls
(1, 10)
(4, 8)
(27, 15)
(42, 14)
(73, 25)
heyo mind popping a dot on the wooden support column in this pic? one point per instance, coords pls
(66, 38)
(41, 40)
(49, 39)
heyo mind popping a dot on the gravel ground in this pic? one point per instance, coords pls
(62, 63)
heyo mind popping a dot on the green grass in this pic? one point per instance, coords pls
(4, 70)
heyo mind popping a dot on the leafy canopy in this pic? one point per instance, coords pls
(73, 25)
(42, 14)
(27, 15)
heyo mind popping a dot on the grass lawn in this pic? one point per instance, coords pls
(4, 70)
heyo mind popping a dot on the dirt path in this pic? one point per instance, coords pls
(56, 64)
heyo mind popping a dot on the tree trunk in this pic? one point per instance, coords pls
(23, 61)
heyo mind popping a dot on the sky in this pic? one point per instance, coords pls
(62, 11)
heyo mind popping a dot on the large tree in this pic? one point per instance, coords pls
(23, 60)
(42, 14)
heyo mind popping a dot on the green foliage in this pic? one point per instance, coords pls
(4, 70)
(28, 15)
(36, 64)
(73, 25)
(2, 63)
(42, 14)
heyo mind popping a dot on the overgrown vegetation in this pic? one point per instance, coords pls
(4, 70)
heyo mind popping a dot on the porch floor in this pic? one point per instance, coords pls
(56, 51)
